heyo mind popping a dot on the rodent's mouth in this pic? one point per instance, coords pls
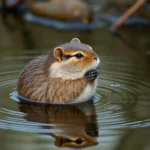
(94, 66)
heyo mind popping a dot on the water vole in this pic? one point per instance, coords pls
(66, 75)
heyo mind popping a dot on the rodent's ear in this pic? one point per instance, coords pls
(58, 53)
(75, 40)
(90, 47)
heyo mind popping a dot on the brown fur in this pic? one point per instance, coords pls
(35, 82)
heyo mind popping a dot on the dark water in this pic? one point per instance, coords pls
(120, 120)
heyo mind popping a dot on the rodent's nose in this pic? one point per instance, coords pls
(95, 58)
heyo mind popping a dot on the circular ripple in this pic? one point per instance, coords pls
(124, 104)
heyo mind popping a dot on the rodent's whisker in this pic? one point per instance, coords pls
(103, 67)
(105, 56)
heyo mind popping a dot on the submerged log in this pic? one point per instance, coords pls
(64, 10)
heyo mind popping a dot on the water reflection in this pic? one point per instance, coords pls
(75, 125)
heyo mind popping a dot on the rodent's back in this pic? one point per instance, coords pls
(33, 72)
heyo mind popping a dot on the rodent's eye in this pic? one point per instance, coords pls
(79, 56)
(79, 141)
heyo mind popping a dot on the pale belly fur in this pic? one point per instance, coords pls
(87, 93)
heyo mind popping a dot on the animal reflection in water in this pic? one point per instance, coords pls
(77, 122)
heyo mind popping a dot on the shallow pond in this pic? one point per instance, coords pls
(120, 120)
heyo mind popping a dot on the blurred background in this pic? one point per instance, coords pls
(119, 32)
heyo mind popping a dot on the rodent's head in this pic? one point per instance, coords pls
(73, 60)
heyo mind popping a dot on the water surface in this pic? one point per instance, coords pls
(120, 120)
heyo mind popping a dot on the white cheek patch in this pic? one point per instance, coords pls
(56, 71)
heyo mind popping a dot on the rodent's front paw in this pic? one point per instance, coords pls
(92, 75)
